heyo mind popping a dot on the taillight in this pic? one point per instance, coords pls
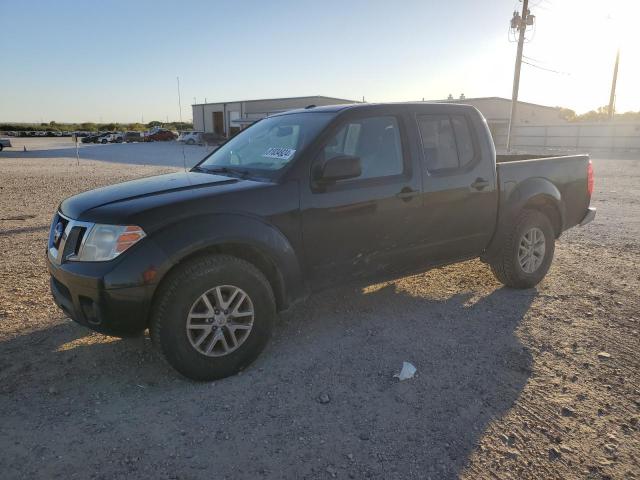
(590, 178)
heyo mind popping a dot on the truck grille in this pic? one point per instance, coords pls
(65, 236)
(58, 226)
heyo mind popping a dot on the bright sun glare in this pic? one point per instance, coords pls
(580, 38)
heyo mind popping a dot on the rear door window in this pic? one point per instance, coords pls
(464, 141)
(447, 143)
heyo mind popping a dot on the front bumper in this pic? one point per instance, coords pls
(109, 297)
(119, 312)
(588, 218)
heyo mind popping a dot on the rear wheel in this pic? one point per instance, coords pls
(213, 317)
(527, 251)
(191, 141)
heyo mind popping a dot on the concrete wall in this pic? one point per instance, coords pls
(588, 137)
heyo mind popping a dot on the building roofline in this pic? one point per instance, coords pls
(275, 99)
(458, 100)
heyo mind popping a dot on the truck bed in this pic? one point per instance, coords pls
(526, 156)
(563, 178)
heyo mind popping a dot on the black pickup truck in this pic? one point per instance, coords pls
(298, 202)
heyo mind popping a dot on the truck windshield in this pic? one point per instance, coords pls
(269, 144)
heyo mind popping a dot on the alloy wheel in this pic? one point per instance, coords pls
(531, 250)
(220, 320)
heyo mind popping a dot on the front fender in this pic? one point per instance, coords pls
(195, 234)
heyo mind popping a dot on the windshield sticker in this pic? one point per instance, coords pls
(279, 153)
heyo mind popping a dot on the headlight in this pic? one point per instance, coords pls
(106, 242)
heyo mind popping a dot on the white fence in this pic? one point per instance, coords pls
(587, 137)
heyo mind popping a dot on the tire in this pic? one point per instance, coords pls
(181, 295)
(103, 141)
(191, 141)
(1, 147)
(508, 267)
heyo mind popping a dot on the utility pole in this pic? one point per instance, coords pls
(519, 23)
(179, 102)
(612, 97)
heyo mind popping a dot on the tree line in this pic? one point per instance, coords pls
(95, 127)
(601, 114)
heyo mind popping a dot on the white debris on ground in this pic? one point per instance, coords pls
(407, 372)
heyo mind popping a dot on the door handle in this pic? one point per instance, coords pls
(479, 183)
(406, 194)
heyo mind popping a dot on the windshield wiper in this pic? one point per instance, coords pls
(200, 169)
(234, 172)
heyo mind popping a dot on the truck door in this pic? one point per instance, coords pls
(459, 186)
(357, 227)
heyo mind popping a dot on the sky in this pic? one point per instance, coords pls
(111, 60)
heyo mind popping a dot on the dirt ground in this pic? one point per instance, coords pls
(510, 384)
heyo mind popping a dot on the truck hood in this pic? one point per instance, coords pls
(149, 192)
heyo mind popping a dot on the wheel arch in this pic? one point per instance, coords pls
(540, 194)
(534, 193)
(250, 253)
(248, 238)
(548, 207)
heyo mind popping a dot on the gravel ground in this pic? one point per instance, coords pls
(510, 384)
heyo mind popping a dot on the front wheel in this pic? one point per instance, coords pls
(213, 317)
(527, 251)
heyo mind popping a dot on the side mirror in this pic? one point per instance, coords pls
(341, 167)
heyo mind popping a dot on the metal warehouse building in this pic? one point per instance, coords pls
(227, 118)
(497, 111)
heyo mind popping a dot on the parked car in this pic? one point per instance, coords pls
(109, 137)
(91, 138)
(160, 136)
(190, 138)
(133, 137)
(4, 142)
(298, 202)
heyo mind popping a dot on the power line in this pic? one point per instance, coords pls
(533, 59)
(545, 69)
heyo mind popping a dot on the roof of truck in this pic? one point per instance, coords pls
(364, 106)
